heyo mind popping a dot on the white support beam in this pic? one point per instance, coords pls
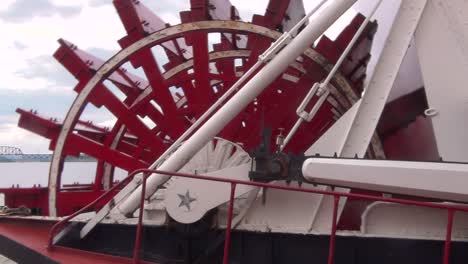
(327, 145)
(353, 132)
(333, 140)
(386, 71)
(445, 181)
(442, 46)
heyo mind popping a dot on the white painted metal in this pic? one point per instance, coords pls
(108, 168)
(376, 94)
(250, 90)
(5, 260)
(442, 46)
(219, 158)
(306, 216)
(322, 89)
(379, 220)
(445, 181)
(353, 133)
(409, 77)
(206, 194)
(332, 141)
(329, 144)
(282, 211)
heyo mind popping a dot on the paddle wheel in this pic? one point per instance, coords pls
(166, 77)
(265, 133)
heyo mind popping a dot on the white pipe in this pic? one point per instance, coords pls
(205, 115)
(238, 102)
(446, 181)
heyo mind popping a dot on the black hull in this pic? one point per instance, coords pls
(187, 245)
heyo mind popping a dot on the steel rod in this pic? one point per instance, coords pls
(291, 133)
(227, 240)
(136, 250)
(448, 236)
(331, 247)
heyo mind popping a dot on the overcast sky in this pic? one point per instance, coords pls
(32, 79)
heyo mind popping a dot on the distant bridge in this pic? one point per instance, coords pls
(8, 150)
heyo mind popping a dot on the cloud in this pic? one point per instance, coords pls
(97, 3)
(24, 10)
(19, 46)
(104, 54)
(12, 135)
(247, 11)
(45, 66)
(168, 10)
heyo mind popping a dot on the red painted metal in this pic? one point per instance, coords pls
(136, 250)
(331, 247)
(33, 234)
(33, 198)
(448, 237)
(227, 240)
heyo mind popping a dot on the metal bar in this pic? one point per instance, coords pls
(136, 250)
(448, 236)
(291, 133)
(331, 247)
(227, 240)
